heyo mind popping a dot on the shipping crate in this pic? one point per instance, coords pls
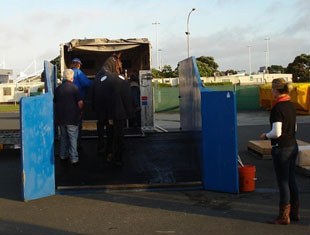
(303, 160)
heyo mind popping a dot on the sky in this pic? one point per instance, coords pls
(236, 33)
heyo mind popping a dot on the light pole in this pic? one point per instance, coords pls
(3, 64)
(160, 58)
(267, 53)
(187, 32)
(250, 61)
(156, 24)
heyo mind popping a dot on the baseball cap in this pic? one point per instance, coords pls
(76, 60)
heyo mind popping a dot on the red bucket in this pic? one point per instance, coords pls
(247, 178)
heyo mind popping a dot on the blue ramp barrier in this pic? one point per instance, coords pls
(214, 114)
(219, 141)
(37, 141)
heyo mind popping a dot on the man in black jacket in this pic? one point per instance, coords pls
(111, 100)
(68, 106)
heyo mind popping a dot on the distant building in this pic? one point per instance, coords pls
(12, 90)
(5, 75)
(262, 69)
(170, 81)
(240, 73)
(248, 79)
(240, 79)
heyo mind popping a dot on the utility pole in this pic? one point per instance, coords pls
(156, 24)
(3, 63)
(267, 54)
(160, 58)
(250, 61)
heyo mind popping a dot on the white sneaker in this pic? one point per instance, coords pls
(74, 161)
(63, 158)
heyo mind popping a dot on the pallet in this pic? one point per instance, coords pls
(262, 148)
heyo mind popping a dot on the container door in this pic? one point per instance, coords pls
(37, 141)
(147, 110)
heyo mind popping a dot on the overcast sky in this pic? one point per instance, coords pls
(224, 29)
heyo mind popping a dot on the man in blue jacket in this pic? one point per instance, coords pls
(83, 83)
(80, 79)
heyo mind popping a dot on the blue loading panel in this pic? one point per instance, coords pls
(219, 124)
(37, 141)
(214, 113)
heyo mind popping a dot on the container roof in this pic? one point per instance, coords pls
(105, 45)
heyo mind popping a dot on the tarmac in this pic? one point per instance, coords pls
(156, 211)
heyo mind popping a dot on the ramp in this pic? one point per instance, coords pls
(156, 160)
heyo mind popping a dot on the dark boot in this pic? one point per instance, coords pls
(294, 214)
(284, 215)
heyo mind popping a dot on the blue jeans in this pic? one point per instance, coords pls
(284, 162)
(68, 141)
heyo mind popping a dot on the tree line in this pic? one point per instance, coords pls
(299, 68)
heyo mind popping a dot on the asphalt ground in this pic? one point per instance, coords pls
(157, 211)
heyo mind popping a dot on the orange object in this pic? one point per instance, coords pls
(247, 178)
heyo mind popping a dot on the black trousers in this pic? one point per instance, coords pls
(284, 163)
(115, 139)
(101, 146)
(114, 143)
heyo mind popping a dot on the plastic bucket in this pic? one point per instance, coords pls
(247, 178)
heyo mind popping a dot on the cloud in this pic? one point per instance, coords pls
(223, 2)
(273, 8)
(299, 26)
(303, 6)
(222, 28)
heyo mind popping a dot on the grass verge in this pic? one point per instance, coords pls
(6, 108)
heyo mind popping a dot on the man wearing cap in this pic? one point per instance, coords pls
(83, 83)
(80, 79)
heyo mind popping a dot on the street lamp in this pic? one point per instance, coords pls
(250, 61)
(187, 32)
(156, 24)
(3, 64)
(160, 58)
(267, 53)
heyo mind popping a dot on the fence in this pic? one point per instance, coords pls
(167, 98)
